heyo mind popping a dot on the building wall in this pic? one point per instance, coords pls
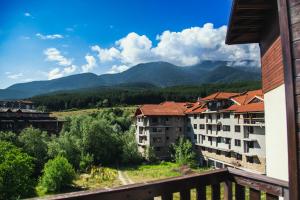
(276, 133)
(272, 67)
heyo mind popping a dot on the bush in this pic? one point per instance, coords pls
(57, 175)
(16, 169)
(130, 153)
(35, 143)
(183, 152)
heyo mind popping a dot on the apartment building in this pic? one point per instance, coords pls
(227, 129)
(159, 126)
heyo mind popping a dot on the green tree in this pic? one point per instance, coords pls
(130, 153)
(57, 175)
(184, 153)
(8, 136)
(34, 143)
(16, 169)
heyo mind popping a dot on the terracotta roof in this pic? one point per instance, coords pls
(219, 95)
(197, 107)
(247, 97)
(252, 107)
(168, 108)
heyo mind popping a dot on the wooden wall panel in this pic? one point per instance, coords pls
(272, 67)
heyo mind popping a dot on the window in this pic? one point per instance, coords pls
(237, 128)
(210, 139)
(209, 127)
(201, 116)
(210, 117)
(251, 144)
(226, 115)
(218, 116)
(226, 128)
(167, 138)
(236, 116)
(218, 127)
(195, 116)
(238, 156)
(195, 137)
(203, 137)
(218, 140)
(228, 154)
(195, 126)
(156, 130)
(218, 152)
(249, 159)
(167, 128)
(154, 120)
(237, 143)
(167, 119)
(202, 126)
(250, 129)
(227, 141)
(139, 119)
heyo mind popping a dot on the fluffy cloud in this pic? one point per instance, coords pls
(55, 73)
(58, 73)
(90, 65)
(187, 47)
(54, 55)
(117, 69)
(49, 37)
(71, 69)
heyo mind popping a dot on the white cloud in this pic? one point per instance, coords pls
(91, 64)
(117, 69)
(187, 47)
(55, 73)
(71, 69)
(27, 14)
(54, 55)
(14, 76)
(49, 37)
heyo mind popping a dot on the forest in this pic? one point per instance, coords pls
(133, 95)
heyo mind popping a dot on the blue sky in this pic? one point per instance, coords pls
(42, 40)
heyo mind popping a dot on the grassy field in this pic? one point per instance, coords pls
(68, 113)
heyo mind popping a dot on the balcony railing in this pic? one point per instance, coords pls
(235, 182)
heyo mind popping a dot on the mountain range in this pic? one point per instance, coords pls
(160, 74)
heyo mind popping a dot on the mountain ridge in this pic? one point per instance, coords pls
(160, 74)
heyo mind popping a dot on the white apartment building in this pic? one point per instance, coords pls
(227, 129)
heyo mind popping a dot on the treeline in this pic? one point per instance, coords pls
(115, 96)
(34, 162)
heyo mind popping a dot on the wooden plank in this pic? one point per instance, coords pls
(201, 192)
(271, 197)
(254, 194)
(296, 50)
(185, 194)
(227, 190)
(286, 18)
(296, 32)
(295, 14)
(167, 196)
(215, 192)
(239, 192)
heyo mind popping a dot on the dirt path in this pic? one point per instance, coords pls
(123, 177)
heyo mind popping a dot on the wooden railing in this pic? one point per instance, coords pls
(235, 184)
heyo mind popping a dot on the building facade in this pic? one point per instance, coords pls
(227, 129)
(17, 115)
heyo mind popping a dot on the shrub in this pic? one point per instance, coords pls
(130, 153)
(16, 169)
(57, 175)
(183, 152)
(35, 143)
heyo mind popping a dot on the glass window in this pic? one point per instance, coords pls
(195, 126)
(237, 128)
(237, 143)
(226, 115)
(202, 126)
(226, 128)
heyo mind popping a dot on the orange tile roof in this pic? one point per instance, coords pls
(198, 107)
(168, 108)
(219, 95)
(252, 107)
(247, 97)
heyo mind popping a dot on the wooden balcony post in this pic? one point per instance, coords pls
(167, 196)
(228, 190)
(254, 194)
(185, 194)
